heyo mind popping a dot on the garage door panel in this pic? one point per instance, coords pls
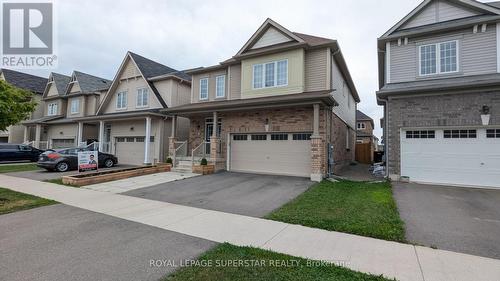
(471, 161)
(130, 150)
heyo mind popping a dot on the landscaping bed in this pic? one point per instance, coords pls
(100, 177)
(262, 265)
(361, 208)
(12, 201)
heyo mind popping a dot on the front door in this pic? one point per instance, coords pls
(209, 130)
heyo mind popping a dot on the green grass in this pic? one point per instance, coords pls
(11, 201)
(18, 168)
(297, 269)
(361, 208)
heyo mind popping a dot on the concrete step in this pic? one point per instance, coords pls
(182, 170)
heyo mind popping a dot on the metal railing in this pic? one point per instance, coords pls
(93, 146)
(180, 151)
(106, 147)
(200, 151)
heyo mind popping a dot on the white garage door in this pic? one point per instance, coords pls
(459, 157)
(130, 150)
(281, 154)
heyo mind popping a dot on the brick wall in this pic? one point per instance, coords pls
(436, 111)
(342, 155)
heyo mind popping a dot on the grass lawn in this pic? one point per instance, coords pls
(18, 168)
(298, 269)
(11, 201)
(361, 208)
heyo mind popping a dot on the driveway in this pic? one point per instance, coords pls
(459, 219)
(238, 193)
(60, 242)
(43, 175)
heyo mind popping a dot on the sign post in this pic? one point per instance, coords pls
(87, 161)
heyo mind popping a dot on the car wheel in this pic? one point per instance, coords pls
(108, 163)
(62, 167)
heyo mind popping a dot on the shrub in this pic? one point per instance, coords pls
(169, 160)
(204, 162)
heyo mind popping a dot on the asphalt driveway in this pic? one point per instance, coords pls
(60, 242)
(43, 175)
(237, 193)
(458, 219)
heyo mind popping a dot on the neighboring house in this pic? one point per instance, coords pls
(130, 124)
(32, 83)
(366, 143)
(284, 104)
(439, 72)
(66, 99)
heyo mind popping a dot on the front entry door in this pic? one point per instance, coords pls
(209, 130)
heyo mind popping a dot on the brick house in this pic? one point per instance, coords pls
(439, 76)
(365, 138)
(284, 104)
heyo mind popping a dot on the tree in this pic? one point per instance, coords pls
(15, 105)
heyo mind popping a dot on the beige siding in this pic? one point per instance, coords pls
(211, 85)
(316, 69)
(61, 106)
(75, 88)
(235, 81)
(81, 107)
(130, 70)
(173, 92)
(52, 90)
(62, 131)
(346, 110)
(295, 75)
(91, 105)
(271, 37)
(130, 87)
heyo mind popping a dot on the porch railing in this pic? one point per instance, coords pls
(180, 151)
(106, 147)
(200, 151)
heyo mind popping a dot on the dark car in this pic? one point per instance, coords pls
(63, 160)
(19, 152)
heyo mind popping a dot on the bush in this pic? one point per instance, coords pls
(169, 160)
(204, 162)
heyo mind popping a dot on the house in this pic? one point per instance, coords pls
(439, 76)
(284, 104)
(366, 142)
(66, 99)
(129, 120)
(32, 83)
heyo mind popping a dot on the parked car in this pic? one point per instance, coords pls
(63, 160)
(19, 152)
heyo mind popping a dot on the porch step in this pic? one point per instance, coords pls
(184, 163)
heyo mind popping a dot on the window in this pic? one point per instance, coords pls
(75, 106)
(52, 109)
(280, 137)
(361, 126)
(121, 100)
(129, 139)
(120, 139)
(438, 58)
(220, 86)
(142, 97)
(240, 137)
(460, 134)
(420, 134)
(493, 133)
(271, 74)
(301, 136)
(139, 139)
(259, 137)
(152, 139)
(204, 89)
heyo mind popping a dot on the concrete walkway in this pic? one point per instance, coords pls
(395, 260)
(129, 184)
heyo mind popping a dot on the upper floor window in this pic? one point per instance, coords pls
(121, 100)
(142, 97)
(271, 74)
(75, 106)
(361, 126)
(204, 89)
(438, 58)
(52, 109)
(220, 86)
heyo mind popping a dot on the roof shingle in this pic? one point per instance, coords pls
(35, 84)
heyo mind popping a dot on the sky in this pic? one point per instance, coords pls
(93, 36)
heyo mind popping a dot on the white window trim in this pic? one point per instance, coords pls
(77, 108)
(223, 77)
(52, 109)
(438, 58)
(142, 92)
(361, 126)
(124, 94)
(275, 75)
(204, 79)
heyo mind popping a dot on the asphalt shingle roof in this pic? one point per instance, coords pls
(61, 82)
(361, 116)
(150, 68)
(89, 83)
(35, 84)
(313, 40)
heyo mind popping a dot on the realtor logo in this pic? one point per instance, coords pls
(28, 35)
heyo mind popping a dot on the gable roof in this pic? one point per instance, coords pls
(60, 81)
(469, 4)
(90, 83)
(35, 84)
(360, 116)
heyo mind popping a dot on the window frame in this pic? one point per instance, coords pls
(223, 77)
(52, 109)
(73, 102)
(361, 126)
(275, 75)
(142, 92)
(438, 58)
(119, 102)
(200, 96)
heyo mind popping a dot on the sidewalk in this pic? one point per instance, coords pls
(395, 260)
